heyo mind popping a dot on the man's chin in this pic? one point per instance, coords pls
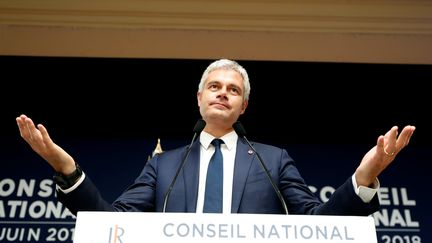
(218, 117)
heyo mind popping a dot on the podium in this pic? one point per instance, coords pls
(131, 227)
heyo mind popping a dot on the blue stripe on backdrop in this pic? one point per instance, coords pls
(29, 211)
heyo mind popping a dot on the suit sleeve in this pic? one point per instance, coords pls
(301, 200)
(137, 197)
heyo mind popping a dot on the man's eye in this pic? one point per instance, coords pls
(235, 90)
(213, 87)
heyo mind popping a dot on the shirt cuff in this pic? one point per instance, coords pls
(66, 191)
(366, 193)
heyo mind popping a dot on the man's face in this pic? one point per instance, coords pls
(221, 101)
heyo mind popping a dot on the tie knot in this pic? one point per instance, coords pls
(217, 142)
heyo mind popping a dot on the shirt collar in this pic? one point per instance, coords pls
(230, 139)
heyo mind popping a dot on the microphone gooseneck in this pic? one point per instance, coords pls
(241, 132)
(199, 126)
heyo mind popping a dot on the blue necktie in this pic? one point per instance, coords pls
(214, 181)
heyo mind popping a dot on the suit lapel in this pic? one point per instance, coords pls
(243, 161)
(191, 178)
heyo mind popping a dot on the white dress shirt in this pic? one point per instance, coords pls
(228, 149)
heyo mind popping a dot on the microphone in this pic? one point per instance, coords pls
(199, 126)
(241, 132)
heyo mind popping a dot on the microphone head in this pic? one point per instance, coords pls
(199, 126)
(239, 129)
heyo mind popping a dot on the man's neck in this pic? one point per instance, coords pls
(217, 131)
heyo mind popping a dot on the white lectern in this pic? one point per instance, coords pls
(112, 227)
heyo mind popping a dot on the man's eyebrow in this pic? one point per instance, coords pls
(213, 81)
(236, 86)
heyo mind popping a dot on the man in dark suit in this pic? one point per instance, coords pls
(223, 95)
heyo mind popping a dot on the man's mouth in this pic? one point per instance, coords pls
(217, 104)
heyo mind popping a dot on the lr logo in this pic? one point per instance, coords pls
(115, 233)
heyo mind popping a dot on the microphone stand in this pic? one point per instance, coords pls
(238, 127)
(199, 126)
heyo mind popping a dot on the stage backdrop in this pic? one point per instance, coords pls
(108, 113)
(29, 211)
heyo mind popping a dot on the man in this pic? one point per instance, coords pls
(223, 95)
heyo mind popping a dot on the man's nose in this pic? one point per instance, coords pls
(223, 92)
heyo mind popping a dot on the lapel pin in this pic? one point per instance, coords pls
(250, 151)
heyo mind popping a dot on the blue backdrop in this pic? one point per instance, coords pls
(108, 113)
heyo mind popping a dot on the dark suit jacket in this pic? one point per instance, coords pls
(252, 191)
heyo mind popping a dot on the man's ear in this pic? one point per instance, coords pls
(245, 104)
(199, 98)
